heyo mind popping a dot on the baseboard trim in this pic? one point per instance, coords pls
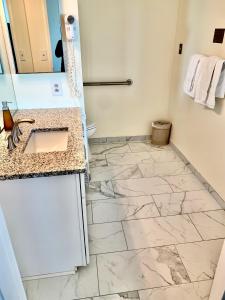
(210, 189)
(120, 139)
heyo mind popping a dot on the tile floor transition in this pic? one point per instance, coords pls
(155, 231)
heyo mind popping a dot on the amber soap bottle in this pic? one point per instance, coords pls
(7, 117)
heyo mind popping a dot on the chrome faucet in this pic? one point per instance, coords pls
(13, 138)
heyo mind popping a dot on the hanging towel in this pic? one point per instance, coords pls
(220, 90)
(190, 80)
(211, 99)
(205, 69)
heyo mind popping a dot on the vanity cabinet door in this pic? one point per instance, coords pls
(45, 221)
(11, 286)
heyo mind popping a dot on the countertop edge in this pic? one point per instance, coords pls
(46, 174)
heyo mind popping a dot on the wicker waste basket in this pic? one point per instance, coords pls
(161, 132)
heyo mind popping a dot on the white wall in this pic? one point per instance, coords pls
(121, 40)
(198, 132)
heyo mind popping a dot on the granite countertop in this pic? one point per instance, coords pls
(17, 165)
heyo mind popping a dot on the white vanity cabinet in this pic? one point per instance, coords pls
(47, 223)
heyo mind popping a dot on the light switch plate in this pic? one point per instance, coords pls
(219, 36)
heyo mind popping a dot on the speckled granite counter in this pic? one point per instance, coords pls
(17, 164)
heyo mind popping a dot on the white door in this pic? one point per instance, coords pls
(218, 288)
(11, 287)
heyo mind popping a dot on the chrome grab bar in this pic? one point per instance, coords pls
(108, 83)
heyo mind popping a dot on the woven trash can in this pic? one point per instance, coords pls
(161, 132)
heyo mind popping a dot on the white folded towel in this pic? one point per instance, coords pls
(211, 99)
(220, 90)
(205, 69)
(190, 80)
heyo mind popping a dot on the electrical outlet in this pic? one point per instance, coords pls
(56, 88)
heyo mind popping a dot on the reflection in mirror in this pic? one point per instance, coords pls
(35, 35)
(6, 84)
(1, 67)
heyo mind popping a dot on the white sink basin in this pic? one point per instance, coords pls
(47, 141)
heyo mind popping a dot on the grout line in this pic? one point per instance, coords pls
(96, 261)
(92, 217)
(175, 285)
(122, 197)
(154, 176)
(147, 218)
(156, 247)
(153, 288)
(124, 235)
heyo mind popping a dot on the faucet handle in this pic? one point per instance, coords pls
(16, 132)
(11, 144)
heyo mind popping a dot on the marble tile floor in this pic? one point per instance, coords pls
(155, 231)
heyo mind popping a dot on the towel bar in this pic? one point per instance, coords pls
(108, 83)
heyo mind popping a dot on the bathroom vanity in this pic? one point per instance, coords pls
(42, 186)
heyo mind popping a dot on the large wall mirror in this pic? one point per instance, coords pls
(6, 84)
(35, 35)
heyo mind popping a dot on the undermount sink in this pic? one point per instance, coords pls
(47, 141)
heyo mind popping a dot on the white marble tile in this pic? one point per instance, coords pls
(98, 161)
(140, 147)
(191, 291)
(140, 187)
(164, 156)
(128, 158)
(140, 269)
(99, 190)
(164, 168)
(182, 183)
(110, 148)
(108, 237)
(159, 232)
(129, 208)
(146, 146)
(121, 296)
(89, 213)
(200, 259)
(115, 173)
(185, 202)
(211, 225)
(83, 284)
